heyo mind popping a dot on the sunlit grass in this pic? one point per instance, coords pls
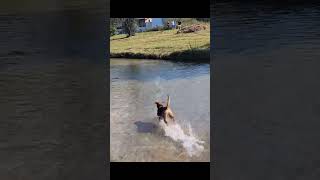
(160, 44)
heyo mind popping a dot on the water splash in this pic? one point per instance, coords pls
(190, 142)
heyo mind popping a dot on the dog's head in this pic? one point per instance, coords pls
(158, 104)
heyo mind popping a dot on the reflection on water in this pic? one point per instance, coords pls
(136, 134)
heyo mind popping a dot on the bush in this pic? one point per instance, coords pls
(113, 31)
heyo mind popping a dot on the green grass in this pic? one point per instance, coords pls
(163, 45)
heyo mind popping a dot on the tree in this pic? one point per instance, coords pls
(114, 23)
(130, 26)
(113, 30)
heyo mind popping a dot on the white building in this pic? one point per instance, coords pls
(145, 24)
(149, 23)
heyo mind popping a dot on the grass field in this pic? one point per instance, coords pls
(165, 44)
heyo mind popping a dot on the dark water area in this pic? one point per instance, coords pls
(253, 27)
(148, 72)
(52, 81)
(266, 90)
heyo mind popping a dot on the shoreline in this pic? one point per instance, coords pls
(202, 55)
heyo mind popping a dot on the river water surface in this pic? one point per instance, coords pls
(135, 132)
(52, 93)
(266, 57)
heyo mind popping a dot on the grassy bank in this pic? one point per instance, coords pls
(166, 45)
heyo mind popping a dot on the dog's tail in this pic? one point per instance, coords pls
(168, 101)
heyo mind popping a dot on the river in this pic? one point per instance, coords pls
(53, 93)
(135, 132)
(266, 94)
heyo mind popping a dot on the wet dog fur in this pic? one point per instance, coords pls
(165, 112)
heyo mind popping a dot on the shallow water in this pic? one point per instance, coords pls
(135, 132)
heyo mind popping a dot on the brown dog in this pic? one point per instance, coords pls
(164, 111)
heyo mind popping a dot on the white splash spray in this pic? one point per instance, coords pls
(189, 141)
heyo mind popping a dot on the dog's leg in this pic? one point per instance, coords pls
(171, 116)
(165, 119)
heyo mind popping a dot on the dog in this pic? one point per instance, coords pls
(164, 112)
